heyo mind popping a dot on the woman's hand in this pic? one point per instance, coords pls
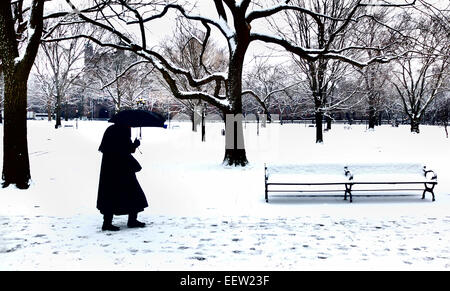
(137, 142)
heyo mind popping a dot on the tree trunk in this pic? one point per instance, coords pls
(16, 165)
(329, 120)
(66, 111)
(317, 73)
(318, 116)
(235, 154)
(372, 116)
(49, 111)
(193, 120)
(319, 126)
(203, 126)
(58, 112)
(415, 122)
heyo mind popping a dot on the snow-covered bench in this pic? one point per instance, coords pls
(305, 178)
(322, 178)
(389, 177)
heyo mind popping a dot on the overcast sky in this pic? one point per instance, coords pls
(160, 29)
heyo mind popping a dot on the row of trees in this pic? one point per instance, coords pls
(337, 55)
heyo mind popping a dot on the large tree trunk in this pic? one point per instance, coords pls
(319, 92)
(16, 165)
(235, 154)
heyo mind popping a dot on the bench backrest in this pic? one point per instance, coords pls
(386, 168)
(355, 169)
(306, 169)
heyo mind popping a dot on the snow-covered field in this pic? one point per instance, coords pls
(204, 216)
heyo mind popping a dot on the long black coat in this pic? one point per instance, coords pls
(119, 192)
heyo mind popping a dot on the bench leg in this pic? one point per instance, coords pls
(429, 189)
(348, 189)
(266, 195)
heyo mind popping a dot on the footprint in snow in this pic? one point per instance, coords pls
(198, 258)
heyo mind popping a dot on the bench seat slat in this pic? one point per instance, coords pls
(389, 178)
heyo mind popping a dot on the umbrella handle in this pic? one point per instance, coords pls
(140, 133)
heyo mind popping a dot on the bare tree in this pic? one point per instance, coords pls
(186, 49)
(40, 95)
(421, 74)
(120, 76)
(374, 77)
(59, 66)
(21, 29)
(234, 22)
(268, 85)
(337, 26)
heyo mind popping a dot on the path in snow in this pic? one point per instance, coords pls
(237, 243)
(203, 216)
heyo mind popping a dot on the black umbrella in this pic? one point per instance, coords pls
(139, 118)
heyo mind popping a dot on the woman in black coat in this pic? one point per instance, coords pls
(119, 192)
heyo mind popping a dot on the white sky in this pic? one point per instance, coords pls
(162, 28)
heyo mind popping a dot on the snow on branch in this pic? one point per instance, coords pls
(263, 13)
(222, 25)
(124, 72)
(34, 29)
(315, 54)
(154, 57)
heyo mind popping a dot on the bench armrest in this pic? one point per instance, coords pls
(348, 173)
(429, 174)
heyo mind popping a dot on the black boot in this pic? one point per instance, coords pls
(107, 223)
(133, 222)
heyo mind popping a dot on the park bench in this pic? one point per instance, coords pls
(348, 178)
(390, 177)
(307, 178)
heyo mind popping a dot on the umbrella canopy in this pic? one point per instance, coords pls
(138, 118)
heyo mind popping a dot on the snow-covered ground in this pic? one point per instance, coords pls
(204, 216)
